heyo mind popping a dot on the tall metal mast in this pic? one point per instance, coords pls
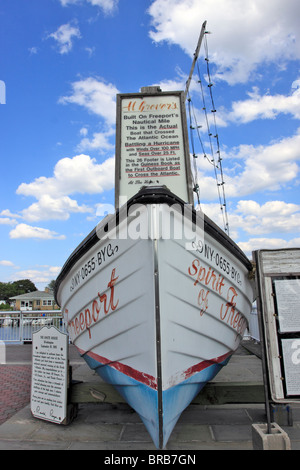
(196, 54)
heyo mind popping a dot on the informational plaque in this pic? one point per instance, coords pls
(49, 374)
(152, 145)
(291, 360)
(288, 304)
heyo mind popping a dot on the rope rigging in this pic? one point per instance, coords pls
(213, 137)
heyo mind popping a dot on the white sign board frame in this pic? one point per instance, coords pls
(49, 383)
(152, 145)
(278, 283)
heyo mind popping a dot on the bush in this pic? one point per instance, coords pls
(5, 307)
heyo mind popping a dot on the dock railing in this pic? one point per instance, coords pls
(18, 326)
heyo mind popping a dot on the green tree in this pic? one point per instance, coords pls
(51, 285)
(12, 289)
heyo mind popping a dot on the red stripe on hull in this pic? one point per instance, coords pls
(148, 379)
(142, 377)
(204, 364)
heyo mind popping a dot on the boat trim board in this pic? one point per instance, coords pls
(158, 348)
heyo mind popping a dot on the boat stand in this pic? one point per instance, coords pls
(214, 393)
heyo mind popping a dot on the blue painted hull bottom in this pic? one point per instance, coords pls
(145, 399)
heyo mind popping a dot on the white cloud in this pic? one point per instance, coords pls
(90, 50)
(83, 174)
(8, 213)
(99, 141)
(7, 221)
(96, 96)
(268, 244)
(79, 174)
(264, 107)
(27, 231)
(266, 167)
(64, 36)
(245, 33)
(5, 262)
(108, 6)
(178, 83)
(68, 2)
(271, 217)
(33, 50)
(45, 275)
(84, 131)
(48, 207)
(269, 209)
(253, 169)
(8, 218)
(276, 218)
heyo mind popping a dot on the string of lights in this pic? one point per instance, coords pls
(213, 138)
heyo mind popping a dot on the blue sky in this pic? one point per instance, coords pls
(62, 62)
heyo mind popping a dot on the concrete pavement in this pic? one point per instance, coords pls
(116, 427)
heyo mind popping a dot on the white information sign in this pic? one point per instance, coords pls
(288, 304)
(152, 145)
(291, 360)
(49, 374)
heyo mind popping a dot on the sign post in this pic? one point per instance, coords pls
(152, 144)
(49, 375)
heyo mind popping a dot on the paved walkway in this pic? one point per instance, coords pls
(15, 381)
(117, 427)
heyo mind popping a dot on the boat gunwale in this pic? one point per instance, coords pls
(151, 195)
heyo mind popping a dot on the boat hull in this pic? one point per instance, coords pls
(157, 307)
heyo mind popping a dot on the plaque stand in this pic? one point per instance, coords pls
(72, 408)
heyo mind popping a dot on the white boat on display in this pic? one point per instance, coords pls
(157, 297)
(156, 314)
